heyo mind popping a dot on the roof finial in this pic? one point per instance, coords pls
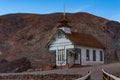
(64, 10)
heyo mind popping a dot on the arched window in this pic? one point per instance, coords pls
(60, 35)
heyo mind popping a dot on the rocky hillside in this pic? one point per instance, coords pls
(26, 35)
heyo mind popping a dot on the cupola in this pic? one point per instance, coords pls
(64, 24)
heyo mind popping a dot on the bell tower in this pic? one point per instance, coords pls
(64, 23)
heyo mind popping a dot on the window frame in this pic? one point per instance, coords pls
(61, 54)
(101, 55)
(87, 55)
(94, 55)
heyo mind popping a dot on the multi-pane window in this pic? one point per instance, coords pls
(94, 55)
(101, 56)
(87, 55)
(61, 55)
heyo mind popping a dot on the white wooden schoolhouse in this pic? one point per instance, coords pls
(72, 48)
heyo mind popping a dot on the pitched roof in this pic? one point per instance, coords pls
(64, 21)
(84, 40)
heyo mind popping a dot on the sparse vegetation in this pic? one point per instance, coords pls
(30, 33)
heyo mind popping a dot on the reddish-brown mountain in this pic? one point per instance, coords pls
(26, 35)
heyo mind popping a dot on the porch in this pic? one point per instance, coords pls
(66, 58)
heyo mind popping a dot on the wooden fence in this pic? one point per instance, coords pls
(86, 77)
(107, 76)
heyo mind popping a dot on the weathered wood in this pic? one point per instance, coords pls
(107, 76)
(86, 77)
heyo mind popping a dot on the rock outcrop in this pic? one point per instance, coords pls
(18, 65)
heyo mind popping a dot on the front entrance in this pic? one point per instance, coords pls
(73, 57)
(77, 58)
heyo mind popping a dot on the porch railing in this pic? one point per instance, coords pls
(107, 76)
(86, 77)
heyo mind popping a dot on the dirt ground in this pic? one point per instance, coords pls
(113, 68)
(96, 74)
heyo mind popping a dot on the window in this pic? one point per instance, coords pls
(60, 35)
(87, 55)
(101, 56)
(61, 55)
(94, 55)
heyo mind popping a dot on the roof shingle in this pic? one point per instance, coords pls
(84, 40)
